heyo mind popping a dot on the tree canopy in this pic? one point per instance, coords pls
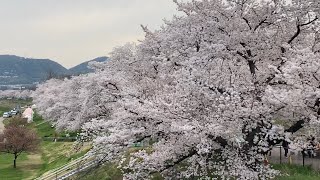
(219, 74)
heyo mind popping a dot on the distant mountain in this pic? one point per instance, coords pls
(83, 67)
(19, 70)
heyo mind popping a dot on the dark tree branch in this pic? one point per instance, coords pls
(252, 67)
(247, 22)
(296, 127)
(113, 85)
(179, 160)
(251, 63)
(292, 129)
(307, 23)
(223, 142)
(242, 55)
(295, 35)
(315, 77)
(260, 23)
(317, 103)
(299, 29)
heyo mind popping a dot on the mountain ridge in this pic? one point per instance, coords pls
(20, 70)
(83, 67)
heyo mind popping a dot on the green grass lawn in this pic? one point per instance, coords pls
(6, 163)
(57, 154)
(295, 172)
(7, 172)
(106, 172)
(54, 154)
(4, 109)
(43, 129)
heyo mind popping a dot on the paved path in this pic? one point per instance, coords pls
(295, 158)
(1, 125)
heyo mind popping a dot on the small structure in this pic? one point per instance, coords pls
(28, 114)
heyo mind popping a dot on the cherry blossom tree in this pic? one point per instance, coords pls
(18, 139)
(69, 103)
(15, 94)
(220, 74)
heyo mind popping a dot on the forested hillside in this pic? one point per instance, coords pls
(20, 70)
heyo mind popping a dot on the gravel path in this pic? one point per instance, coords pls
(1, 125)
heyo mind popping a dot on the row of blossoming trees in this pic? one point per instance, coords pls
(15, 94)
(225, 70)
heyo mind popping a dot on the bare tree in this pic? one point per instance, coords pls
(16, 140)
(50, 74)
(17, 121)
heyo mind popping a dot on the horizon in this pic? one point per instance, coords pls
(71, 33)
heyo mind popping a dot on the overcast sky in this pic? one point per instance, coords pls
(74, 31)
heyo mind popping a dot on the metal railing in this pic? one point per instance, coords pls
(69, 169)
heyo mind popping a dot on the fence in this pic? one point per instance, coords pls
(70, 169)
(294, 157)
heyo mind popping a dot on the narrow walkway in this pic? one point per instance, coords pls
(295, 159)
(1, 125)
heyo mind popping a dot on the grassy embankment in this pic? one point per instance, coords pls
(296, 172)
(49, 155)
(289, 172)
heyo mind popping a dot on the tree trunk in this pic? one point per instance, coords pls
(15, 161)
